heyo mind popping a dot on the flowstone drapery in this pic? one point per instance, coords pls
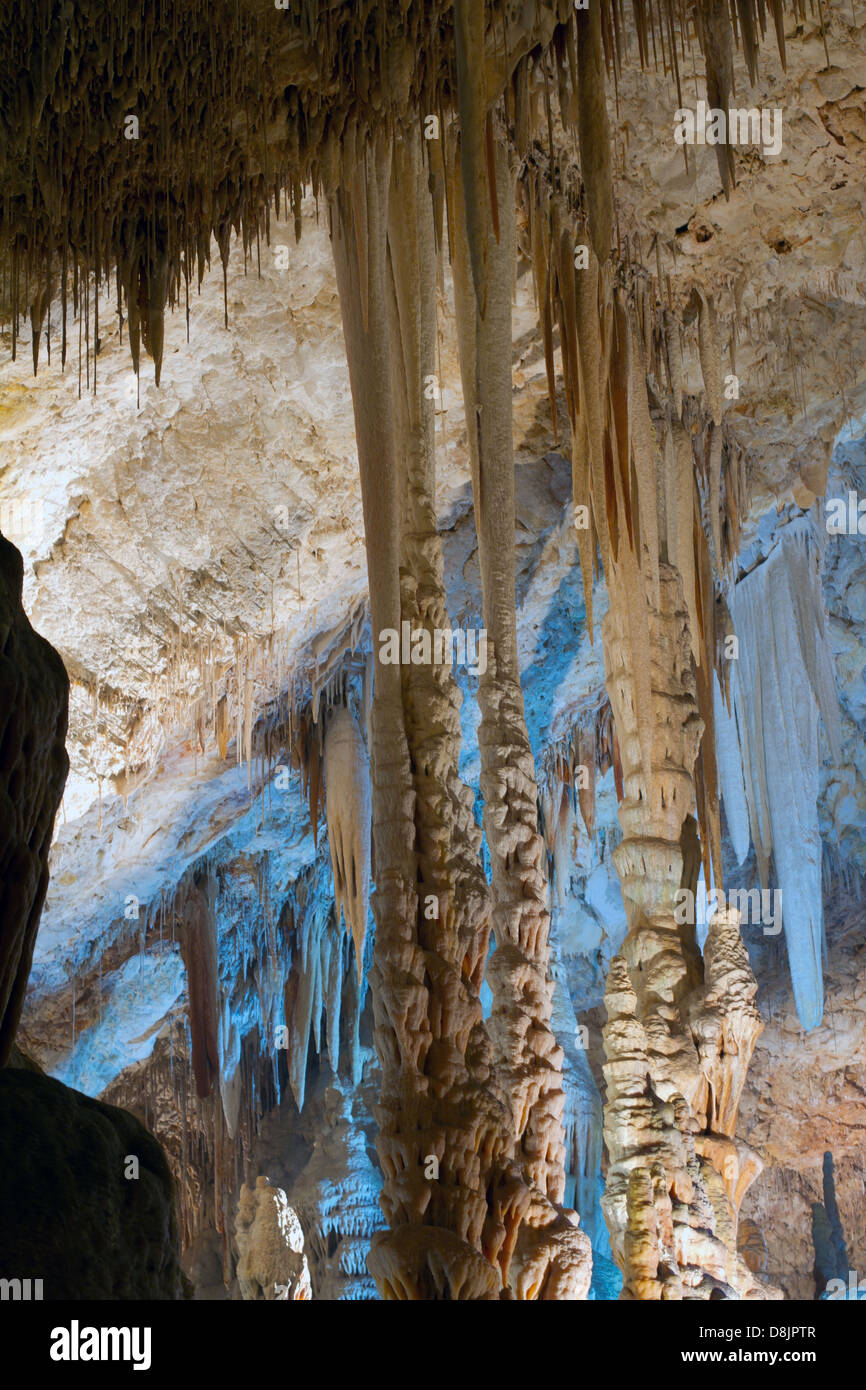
(781, 683)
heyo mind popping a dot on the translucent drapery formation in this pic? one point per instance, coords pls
(347, 804)
(730, 765)
(781, 682)
(680, 1032)
(34, 692)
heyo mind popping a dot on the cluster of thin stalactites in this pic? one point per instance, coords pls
(136, 139)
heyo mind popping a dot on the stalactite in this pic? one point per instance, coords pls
(591, 356)
(572, 765)
(711, 368)
(674, 360)
(198, 945)
(472, 106)
(315, 978)
(718, 50)
(347, 791)
(202, 174)
(644, 458)
(680, 524)
(307, 755)
(593, 129)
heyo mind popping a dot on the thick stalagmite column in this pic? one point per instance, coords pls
(551, 1250)
(465, 1181)
(527, 1052)
(34, 693)
(444, 1133)
(680, 1031)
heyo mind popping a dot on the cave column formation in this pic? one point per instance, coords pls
(528, 1057)
(480, 1220)
(359, 216)
(681, 1027)
(425, 978)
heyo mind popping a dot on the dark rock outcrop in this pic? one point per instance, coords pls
(69, 1214)
(34, 695)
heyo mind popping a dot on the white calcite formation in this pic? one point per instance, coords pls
(271, 1264)
(782, 681)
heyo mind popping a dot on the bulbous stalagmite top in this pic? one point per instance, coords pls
(272, 1263)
